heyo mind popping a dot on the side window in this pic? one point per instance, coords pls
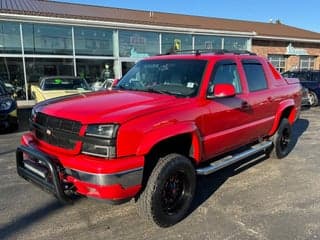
(225, 72)
(255, 75)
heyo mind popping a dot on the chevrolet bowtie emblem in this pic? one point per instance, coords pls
(48, 131)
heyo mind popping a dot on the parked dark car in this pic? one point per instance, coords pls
(8, 110)
(309, 79)
(305, 101)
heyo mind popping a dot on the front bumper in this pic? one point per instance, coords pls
(50, 173)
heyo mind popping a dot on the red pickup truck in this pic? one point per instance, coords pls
(169, 119)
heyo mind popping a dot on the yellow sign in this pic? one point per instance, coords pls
(177, 44)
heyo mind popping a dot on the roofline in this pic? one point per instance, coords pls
(144, 27)
(113, 25)
(286, 39)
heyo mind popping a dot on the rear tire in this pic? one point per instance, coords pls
(169, 191)
(281, 140)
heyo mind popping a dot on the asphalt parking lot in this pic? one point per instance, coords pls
(259, 199)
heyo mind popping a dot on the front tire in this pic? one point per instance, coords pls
(313, 99)
(169, 191)
(281, 140)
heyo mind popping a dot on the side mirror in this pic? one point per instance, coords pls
(224, 90)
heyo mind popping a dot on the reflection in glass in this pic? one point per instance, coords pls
(47, 39)
(95, 71)
(138, 44)
(179, 77)
(10, 41)
(234, 43)
(40, 67)
(93, 41)
(175, 42)
(208, 42)
(11, 72)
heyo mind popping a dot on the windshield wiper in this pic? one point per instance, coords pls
(162, 91)
(153, 90)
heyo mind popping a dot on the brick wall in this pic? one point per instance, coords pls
(264, 48)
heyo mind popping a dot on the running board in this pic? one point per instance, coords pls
(226, 161)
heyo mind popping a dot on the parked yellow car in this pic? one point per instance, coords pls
(56, 86)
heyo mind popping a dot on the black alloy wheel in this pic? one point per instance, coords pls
(281, 140)
(169, 192)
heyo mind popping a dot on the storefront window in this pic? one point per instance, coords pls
(234, 43)
(11, 73)
(93, 41)
(47, 39)
(307, 62)
(95, 71)
(278, 61)
(137, 44)
(41, 67)
(10, 41)
(175, 42)
(126, 66)
(208, 42)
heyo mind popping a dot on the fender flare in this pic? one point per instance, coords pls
(289, 103)
(159, 134)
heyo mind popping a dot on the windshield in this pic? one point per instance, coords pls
(175, 77)
(64, 84)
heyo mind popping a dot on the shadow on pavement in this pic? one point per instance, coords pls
(27, 220)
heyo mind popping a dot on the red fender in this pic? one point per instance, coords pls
(169, 130)
(289, 103)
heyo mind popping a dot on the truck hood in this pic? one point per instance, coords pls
(107, 106)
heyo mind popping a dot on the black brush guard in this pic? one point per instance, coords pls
(43, 173)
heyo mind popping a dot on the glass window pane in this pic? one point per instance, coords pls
(278, 61)
(208, 42)
(11, 72)
(10, 41)
(138, 44)
(93, 41)
(234, 43)
(47, 39)
(255, 76)
(40, 67)
(95, 71)
(306, 62)
(172, 42)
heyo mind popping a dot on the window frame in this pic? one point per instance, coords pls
(216, 66)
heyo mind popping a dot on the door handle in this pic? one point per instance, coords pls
(245, 105)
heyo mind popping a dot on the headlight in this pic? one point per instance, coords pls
(6, 104)
(100, 140)
(102, 131)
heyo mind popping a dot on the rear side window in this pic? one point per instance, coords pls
(255, 75)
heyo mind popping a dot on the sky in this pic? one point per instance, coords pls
(300, 14)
